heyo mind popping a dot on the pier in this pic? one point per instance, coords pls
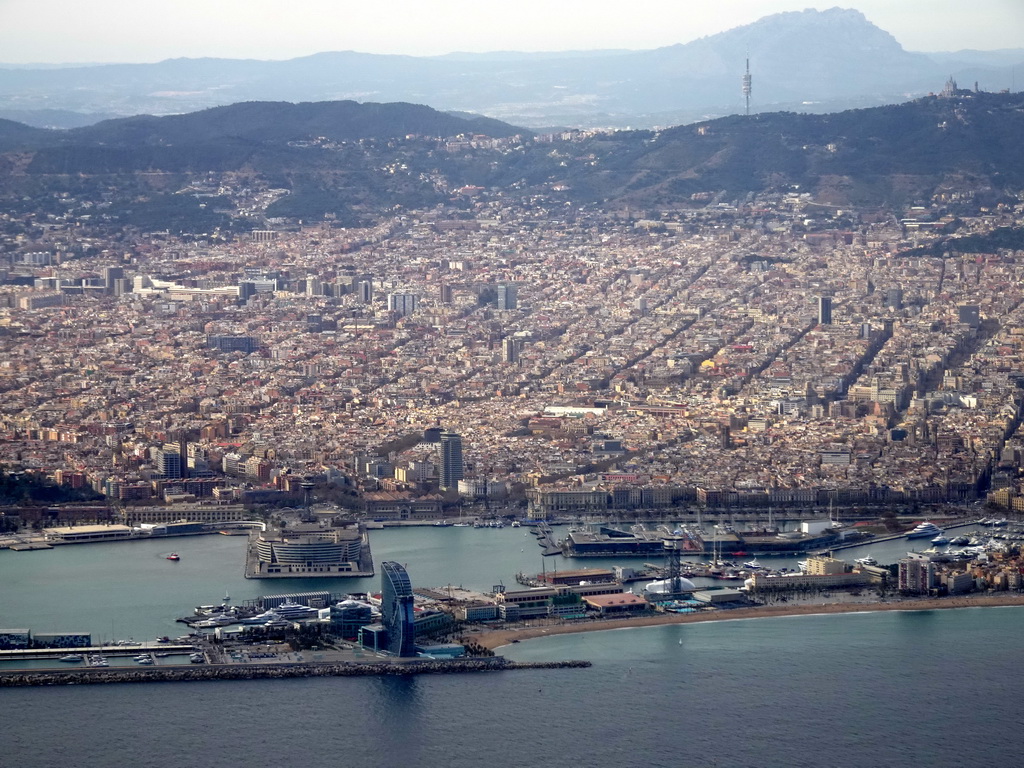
(105, 650)
(210, 672)
(543, 533)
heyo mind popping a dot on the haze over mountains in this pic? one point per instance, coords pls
(815, 61)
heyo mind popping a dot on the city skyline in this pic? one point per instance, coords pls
(110, 31)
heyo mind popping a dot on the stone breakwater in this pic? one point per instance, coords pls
(268, 672)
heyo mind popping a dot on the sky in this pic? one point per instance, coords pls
(88, 31)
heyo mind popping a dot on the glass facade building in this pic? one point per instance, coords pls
(450, 470)
(396, 609)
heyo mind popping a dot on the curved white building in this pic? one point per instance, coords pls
(308, 551)
(670, 586)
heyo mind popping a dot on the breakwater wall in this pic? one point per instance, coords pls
(269, 672)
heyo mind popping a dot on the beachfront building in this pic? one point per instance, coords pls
(397, 609)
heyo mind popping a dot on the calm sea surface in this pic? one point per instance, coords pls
(923, 688)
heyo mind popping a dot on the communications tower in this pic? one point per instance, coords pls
(746, 85)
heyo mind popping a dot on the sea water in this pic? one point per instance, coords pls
(916, 688)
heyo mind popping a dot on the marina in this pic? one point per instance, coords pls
(673, 664)
(141, 602)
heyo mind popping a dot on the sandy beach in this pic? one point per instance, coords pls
(496, 638)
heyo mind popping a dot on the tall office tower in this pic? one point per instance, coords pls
(894, 298)
(451, 460)
(825, 310)
(510, 349)
(246, 290)
(403, 304)
(506, 296)
(396, 609)
(363, 288)
(169, 461)
(445, 293)
(110, 277)
(314, 286)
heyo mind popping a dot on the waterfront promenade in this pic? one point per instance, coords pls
(500, 637)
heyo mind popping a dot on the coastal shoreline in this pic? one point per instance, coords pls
(500, 638)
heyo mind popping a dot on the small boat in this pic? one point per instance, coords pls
(174, 556)
(71, 658)
(226, 597)
(940, 540)
(753, 565)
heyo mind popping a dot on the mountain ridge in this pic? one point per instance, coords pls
(890, 156)
(807, 60)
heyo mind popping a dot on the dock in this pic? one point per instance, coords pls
(207, 672)
(544, 540)
(103, 650)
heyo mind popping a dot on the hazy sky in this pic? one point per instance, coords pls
(52, 31)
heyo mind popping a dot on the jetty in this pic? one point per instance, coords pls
(213, 672)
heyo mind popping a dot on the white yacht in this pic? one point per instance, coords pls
(866, 560)
(290, 610)
(924, 530)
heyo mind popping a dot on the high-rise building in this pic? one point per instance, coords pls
(246, 290)
(825, 310)
(110, 276)
(396, 601)
(169, 461)
(445, 293)
(916, 575)
(403, 304)
(451, 460)
(363, 288)
(510, 349)
(225, 343)
(507, 298)
(969, 314)
(894, 298)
